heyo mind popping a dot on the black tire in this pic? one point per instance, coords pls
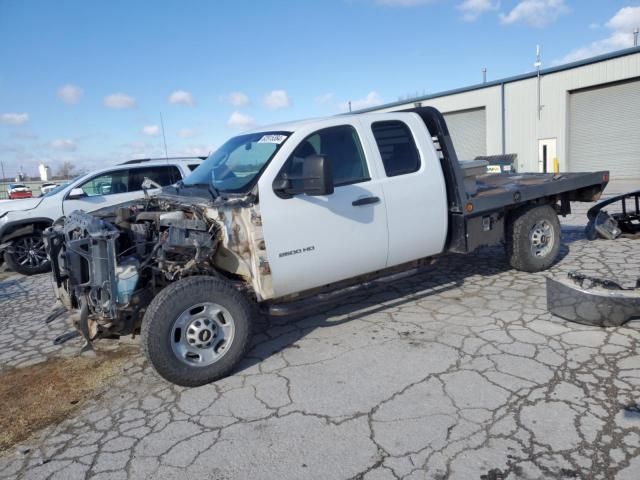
(22, 262)
(523, 236)
(159, 337)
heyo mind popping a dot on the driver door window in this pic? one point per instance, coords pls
(342, 146)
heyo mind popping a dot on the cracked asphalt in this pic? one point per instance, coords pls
(459, 373)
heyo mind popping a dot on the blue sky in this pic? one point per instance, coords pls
(85, 81)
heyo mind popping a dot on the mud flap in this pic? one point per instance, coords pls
(592, 301)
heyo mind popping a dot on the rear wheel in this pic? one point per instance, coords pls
(196, 330)
(533, 239)
(27, 255)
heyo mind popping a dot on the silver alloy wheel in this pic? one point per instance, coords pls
(541, 238)
(30, 252)
(202, 334)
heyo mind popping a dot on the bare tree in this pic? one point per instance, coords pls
(66, 169)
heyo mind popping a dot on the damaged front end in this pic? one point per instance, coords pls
(593, 301)
(107, 266)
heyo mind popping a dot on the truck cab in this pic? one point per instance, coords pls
(385, 171)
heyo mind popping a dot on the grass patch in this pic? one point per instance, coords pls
(46, 393)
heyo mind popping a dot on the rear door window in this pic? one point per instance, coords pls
(397, 147)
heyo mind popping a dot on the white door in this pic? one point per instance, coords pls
(546, 154)
(313, 241)
(414, 187)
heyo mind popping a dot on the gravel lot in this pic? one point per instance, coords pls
(459, 373)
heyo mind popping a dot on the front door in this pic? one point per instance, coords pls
(546, 155)
(315, 240)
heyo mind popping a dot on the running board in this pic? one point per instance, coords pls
(308, 303)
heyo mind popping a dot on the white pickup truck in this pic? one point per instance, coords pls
(290, 216)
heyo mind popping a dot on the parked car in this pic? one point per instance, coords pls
(288, 217)
(47, 187)
(23, 221)
(18, 190)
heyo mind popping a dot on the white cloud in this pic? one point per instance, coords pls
(119, 101)
(181, 97)
(403, 3)
(240, 120)
(187, 133)
(63, 144)
(371, 100)
(594, 26)
(14, 118)
(237, 99)
(277, 99)
(626, 20)
(536, 13)
(324, 98)
(151, 130)
(70, 94)
(621, 27)
(472, 9)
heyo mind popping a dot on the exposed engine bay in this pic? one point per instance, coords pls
(110, 264)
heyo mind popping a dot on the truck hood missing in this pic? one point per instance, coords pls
(113, 260)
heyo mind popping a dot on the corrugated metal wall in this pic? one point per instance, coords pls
(604, 129)
(523, 127)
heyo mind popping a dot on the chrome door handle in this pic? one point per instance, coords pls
(365, 201)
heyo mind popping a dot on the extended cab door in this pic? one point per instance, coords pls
(315, 240)
(413, 184)
(118, 186)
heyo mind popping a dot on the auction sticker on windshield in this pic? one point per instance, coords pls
(273, 139)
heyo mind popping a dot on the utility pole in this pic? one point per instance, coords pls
(635, 36)
(349, 106)
(538, 64)
(164, 139)
(484, 75)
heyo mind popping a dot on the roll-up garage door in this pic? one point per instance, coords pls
(604, 129)
(468, 130)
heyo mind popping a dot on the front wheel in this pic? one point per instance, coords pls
(533, 239)
(196, 330)
(27, 255)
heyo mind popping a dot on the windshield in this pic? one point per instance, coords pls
(236, 165)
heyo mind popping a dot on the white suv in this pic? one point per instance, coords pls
(22, 221)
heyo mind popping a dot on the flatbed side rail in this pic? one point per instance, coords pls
(566, 187)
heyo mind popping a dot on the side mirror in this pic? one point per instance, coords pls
(76, 193)
(316, 179)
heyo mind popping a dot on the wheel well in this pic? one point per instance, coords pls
(513, 213)
(24, 228)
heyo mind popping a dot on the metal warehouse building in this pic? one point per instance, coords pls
(586, 114)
